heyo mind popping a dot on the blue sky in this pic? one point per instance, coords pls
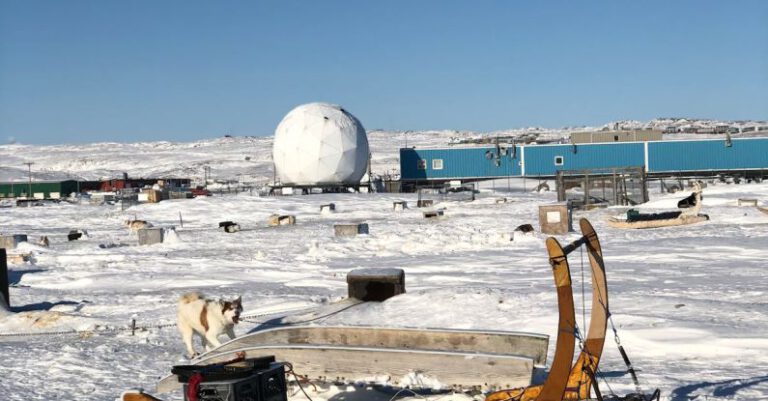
(83, 71)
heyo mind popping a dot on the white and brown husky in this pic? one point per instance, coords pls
(208, 319)
(136, 225)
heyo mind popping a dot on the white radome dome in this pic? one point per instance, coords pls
(320, 144)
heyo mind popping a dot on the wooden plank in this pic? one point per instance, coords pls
(349, 364)
(529, 345)
(557, 380)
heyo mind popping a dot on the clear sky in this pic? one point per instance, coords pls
(83, 71)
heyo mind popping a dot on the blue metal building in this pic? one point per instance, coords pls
(690, 157)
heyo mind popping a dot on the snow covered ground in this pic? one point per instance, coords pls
(690, 303)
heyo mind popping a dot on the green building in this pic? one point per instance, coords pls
(40, 189)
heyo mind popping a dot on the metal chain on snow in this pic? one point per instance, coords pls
(111, 330)
(624, 356)
(315, 318)
(613, 327)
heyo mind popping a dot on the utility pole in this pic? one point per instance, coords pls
(29, 191)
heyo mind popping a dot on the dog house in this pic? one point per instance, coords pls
(399, 205)
(284, 220)
(424, 203)
(150, 236)
(350, 230)
(11, 241)
(372, 284)
(554, 219)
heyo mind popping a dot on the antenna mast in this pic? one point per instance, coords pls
(29, 190)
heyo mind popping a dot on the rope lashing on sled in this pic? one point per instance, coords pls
(298, 378)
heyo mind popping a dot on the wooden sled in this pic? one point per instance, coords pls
(458, 358)
(679, 221)
(529, 345)
(691, 216)
(461, 370)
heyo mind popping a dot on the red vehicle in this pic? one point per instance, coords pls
(200, 191)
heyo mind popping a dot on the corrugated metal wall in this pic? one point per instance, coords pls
(743, 154)
(460, 163)
(64, 188)
(539, 160)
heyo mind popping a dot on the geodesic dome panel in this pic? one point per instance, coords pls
(320, 144)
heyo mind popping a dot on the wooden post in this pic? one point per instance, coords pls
(4, 277)
(181, 222)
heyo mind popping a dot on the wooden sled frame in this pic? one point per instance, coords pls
(580, 379)
(350, 364)
(497, 359)
(528, 345)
